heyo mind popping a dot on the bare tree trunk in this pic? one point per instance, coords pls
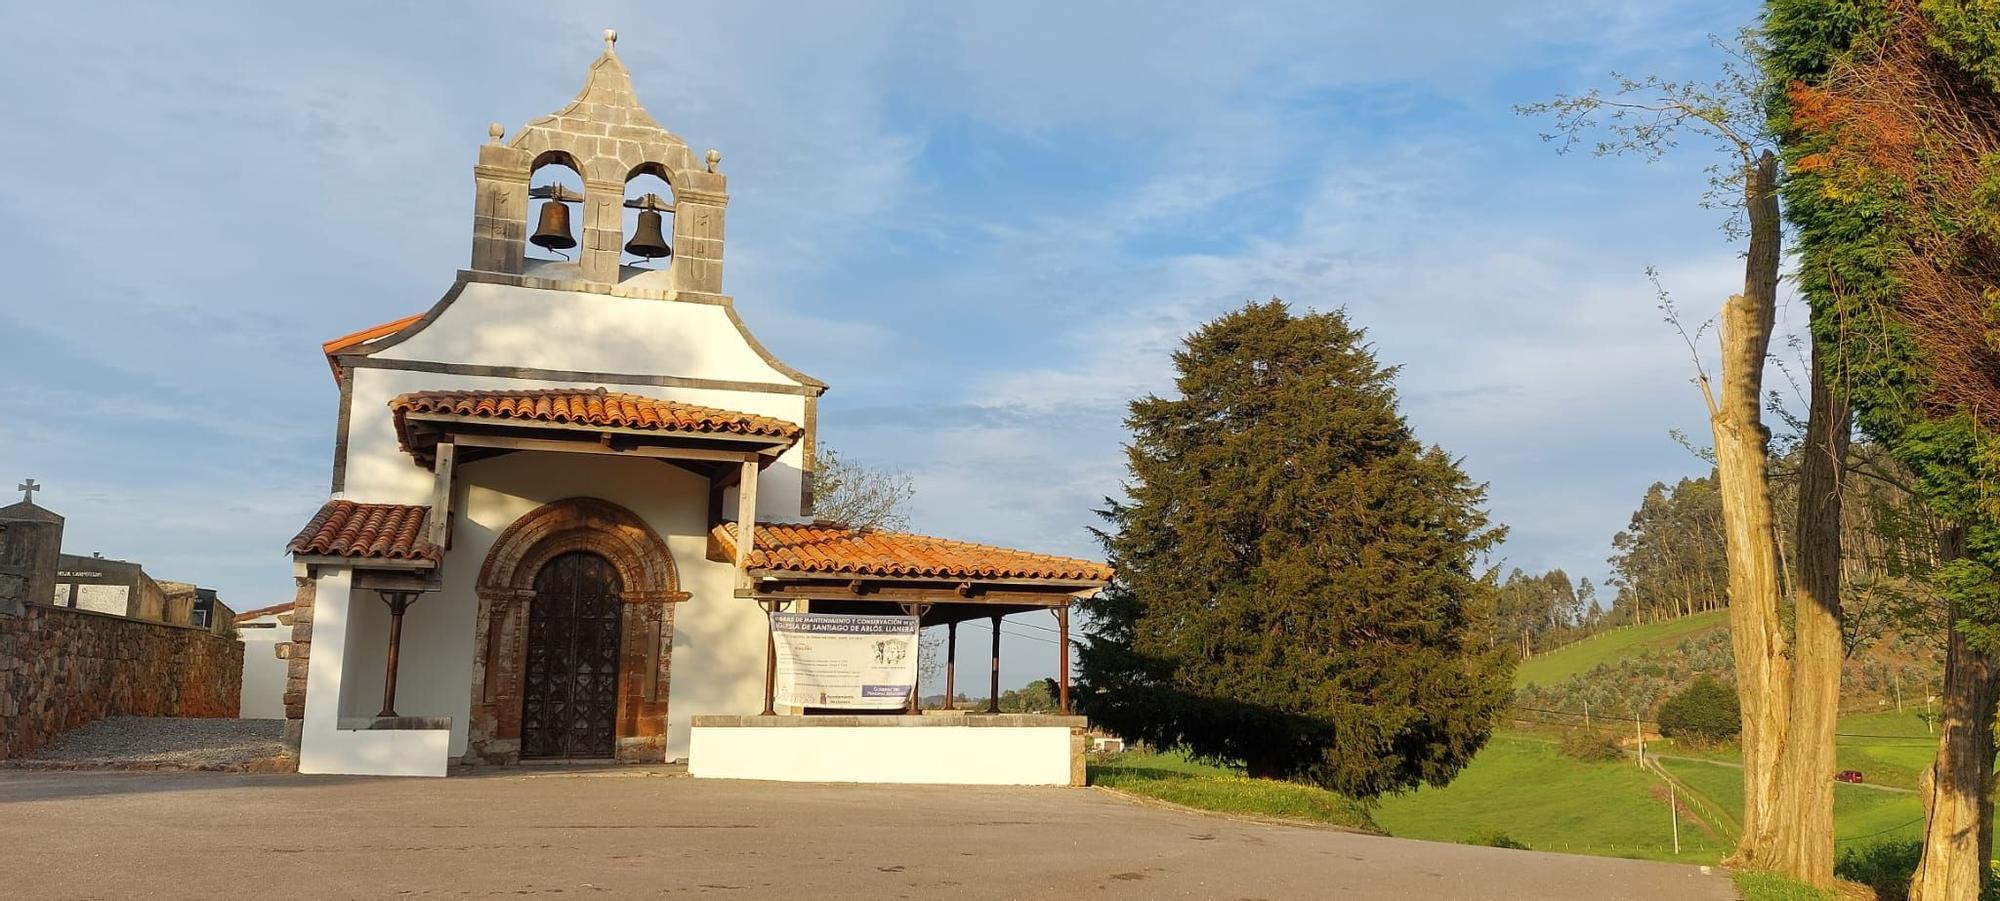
(1803, 821)
(1742, 464)
(1958, 787)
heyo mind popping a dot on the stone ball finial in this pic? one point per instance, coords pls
(610, 37)
(496, 131)
(714, 158)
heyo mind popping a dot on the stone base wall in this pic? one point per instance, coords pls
(62, 668)
(297, 655)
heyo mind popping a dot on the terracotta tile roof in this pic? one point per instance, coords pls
(364, 336)
(367, 532)
(249, 615)
(588, 407)
(835, 549)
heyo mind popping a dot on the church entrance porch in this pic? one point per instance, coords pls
(574, 637)
(570, 692)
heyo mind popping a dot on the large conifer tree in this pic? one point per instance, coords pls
(1297, 586)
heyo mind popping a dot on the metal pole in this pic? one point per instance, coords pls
(916, 705)
(993, 694)
(950, 662)
(1642, 738)
(770, 663)
(398, 602)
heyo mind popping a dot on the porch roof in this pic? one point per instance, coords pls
(833, 550)
(422, 417)
(368, 532)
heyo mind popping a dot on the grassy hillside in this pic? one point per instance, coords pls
(1608, 647)
(1521, 787)
(1860, 814)
(1889, 748)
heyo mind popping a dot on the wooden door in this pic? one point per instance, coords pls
(569, 706)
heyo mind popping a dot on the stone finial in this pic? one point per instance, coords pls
(714, 158)
(495, 132)
(610, 38)
(28, 489)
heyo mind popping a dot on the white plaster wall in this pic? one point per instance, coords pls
(718, 658)
(961, 755)
(263, 673)
(324, 747)
(507, 325)
(379, 471)
(718, 655)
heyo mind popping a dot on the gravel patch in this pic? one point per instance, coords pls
(166, 743)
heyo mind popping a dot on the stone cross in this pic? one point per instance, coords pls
(28, 489)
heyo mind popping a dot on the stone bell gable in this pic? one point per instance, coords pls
(608, 139)
(563, 294)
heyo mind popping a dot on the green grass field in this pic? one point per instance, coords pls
(1860, 814)
(1581, 657)
(1520, 786)
(1889, 748)
(1174, 778)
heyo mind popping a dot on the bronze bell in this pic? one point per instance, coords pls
(647, 241)
(553, 233)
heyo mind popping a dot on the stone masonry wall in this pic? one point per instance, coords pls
(297, 655)
(62, 668)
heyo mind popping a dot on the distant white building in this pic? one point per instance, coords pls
(566, 498)
(266, 635)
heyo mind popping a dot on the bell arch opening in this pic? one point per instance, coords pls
(511, 582)
(648, 219)
(556, 195)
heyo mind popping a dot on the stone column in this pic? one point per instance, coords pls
(500, 207)
(298, 653)
(603, 230)
(698, 241)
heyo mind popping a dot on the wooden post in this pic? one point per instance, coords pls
(746, 522)
(1062, 665)
(398, 602)
(437, 529)
(1674, 815)
(950, 662)
(993, 697)
(770, 661)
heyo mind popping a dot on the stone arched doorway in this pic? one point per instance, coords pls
(647, 588)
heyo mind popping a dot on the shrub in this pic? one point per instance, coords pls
(1704, 711)
(1887, 866)
(1584, 744)
(1497, 839)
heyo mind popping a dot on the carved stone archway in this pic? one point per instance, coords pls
(651, 587)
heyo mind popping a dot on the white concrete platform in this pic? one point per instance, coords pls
(972, 749)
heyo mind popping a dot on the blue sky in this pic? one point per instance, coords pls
(986, 225)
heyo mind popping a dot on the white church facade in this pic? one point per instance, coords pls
(567, 498)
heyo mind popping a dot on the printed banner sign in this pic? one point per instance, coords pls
(835, 660)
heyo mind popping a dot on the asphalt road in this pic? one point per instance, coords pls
(621, 833)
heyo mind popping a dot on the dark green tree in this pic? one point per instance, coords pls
(1297, 576)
